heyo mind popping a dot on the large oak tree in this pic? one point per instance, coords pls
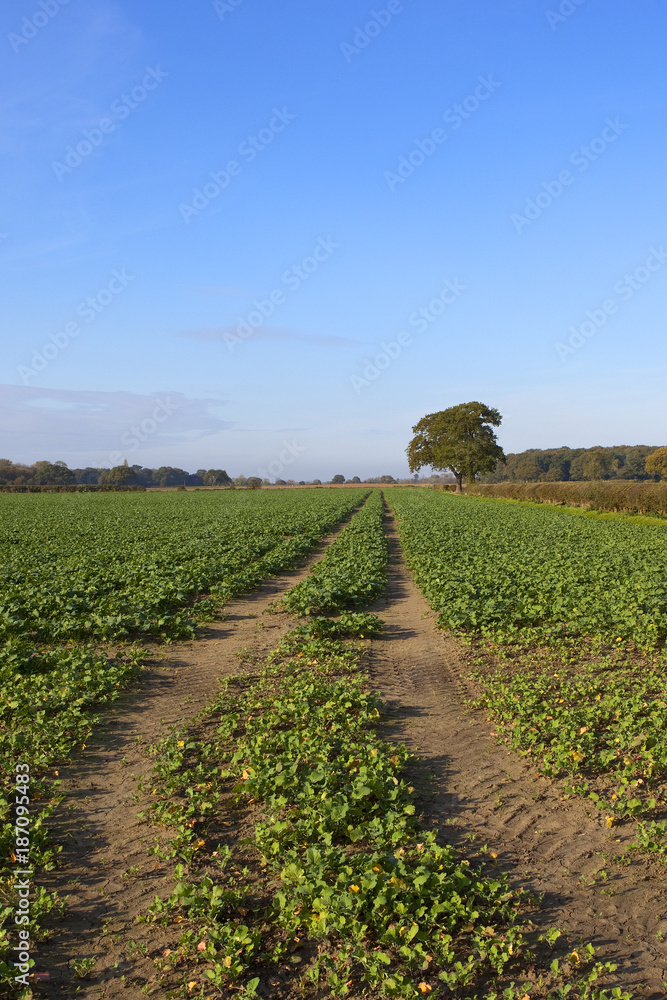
(460, 439)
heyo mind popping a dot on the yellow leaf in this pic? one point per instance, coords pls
(424, 988)
(354, 888)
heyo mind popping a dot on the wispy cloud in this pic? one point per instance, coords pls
(272, 333)
(51, 423)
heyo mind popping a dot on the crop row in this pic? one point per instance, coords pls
(526, 575)
(354, 569)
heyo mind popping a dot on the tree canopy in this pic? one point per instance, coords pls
(460, 439)
(656, 463)
(564, 464)
(120, 475)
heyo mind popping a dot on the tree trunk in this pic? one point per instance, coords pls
(458, 476)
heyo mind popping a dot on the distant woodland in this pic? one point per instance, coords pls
(573, 465)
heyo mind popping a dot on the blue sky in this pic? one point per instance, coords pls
(266, 236)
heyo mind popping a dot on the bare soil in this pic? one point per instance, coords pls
(474, 790)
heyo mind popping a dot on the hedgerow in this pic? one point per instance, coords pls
(613, 495)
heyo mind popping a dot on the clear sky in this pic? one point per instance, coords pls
(271, 236)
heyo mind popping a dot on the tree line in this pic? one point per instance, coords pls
(14, 474)
(553, 465)
(58, 474)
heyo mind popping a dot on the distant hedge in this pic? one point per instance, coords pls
(618, 496)
(78, 488)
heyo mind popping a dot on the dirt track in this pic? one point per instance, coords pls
(97, 824)
(470, 786)
(545, 843)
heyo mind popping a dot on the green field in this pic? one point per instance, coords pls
(80, 570)
(526, 575)
(567, 619)
(563, 621)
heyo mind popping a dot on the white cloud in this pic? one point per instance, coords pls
(83, 427)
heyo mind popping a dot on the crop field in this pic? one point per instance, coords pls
(568, 620)
(80, 570)
(294, 849)
(526, 575)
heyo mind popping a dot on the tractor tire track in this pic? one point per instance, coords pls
(473, 787)
(105, 869)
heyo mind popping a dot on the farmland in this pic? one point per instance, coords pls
(298, 857)
(82, 570)
(517, 574)
(567, 618)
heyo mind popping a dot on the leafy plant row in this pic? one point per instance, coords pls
(338, 886)
(354, 569)
(49, 705)
(104, 566)
(524, 575)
